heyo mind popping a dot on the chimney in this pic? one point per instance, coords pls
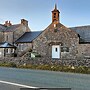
(24, 22)
(7, 23)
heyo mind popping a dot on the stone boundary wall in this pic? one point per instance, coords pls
(43, 61)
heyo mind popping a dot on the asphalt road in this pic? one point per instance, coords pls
(14, 79)
(9, 87)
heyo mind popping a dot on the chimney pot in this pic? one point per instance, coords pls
(7, 23)
(24, 22)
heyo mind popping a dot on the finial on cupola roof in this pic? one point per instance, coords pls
(55, 6)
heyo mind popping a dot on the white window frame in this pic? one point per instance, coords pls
(21, 47)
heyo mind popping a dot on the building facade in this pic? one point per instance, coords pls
(55, 42)
(9, 34)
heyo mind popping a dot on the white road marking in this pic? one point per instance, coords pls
(16, 84)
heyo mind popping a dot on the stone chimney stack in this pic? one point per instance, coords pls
(7, 23)
(24, 22)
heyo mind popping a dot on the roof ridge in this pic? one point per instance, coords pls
(80, 26)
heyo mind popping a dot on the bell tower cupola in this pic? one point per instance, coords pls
(55, 15)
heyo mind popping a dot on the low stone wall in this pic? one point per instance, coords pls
(43, 61)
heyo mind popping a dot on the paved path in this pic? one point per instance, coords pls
(38, 78)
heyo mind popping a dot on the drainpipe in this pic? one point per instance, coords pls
(61, 61)
(13, 44)
(3, 37)
(13, 38)
(4, 52)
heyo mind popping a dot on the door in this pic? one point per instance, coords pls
(55, 51)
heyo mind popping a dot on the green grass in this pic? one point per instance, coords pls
(80, 69)
(5, 64)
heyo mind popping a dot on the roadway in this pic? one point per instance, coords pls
(14, 79)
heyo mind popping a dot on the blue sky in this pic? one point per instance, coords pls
(38, 12)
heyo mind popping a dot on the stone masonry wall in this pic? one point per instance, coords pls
(46, 61)
(84, 51)
(26, 47)
(56, 36)
(1, 36)
(8, 37)
(19, 32)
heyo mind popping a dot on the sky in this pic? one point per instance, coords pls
(38, 12)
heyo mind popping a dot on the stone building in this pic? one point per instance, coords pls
(84, 41)
(55, 42)
(58, 41)
(9, 34)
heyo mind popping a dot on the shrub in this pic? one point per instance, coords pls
(5, 64)
(12, 64)
(43, 67)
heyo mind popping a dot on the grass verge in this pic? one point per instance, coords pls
(77, 69)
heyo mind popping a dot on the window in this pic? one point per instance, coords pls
(12, 50)
(0, 53)
(54, 25)
(64, 49)
(7, 38)
(7, 51)
(21, 47)
(54, 13)
(56, 49)
(54, 16)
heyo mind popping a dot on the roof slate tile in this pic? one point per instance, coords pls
(28, 37)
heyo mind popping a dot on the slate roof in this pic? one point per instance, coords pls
(6, 45)
(28, 37)
(12, 27)
(9, 29)
(84, 33)
(2, 27)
